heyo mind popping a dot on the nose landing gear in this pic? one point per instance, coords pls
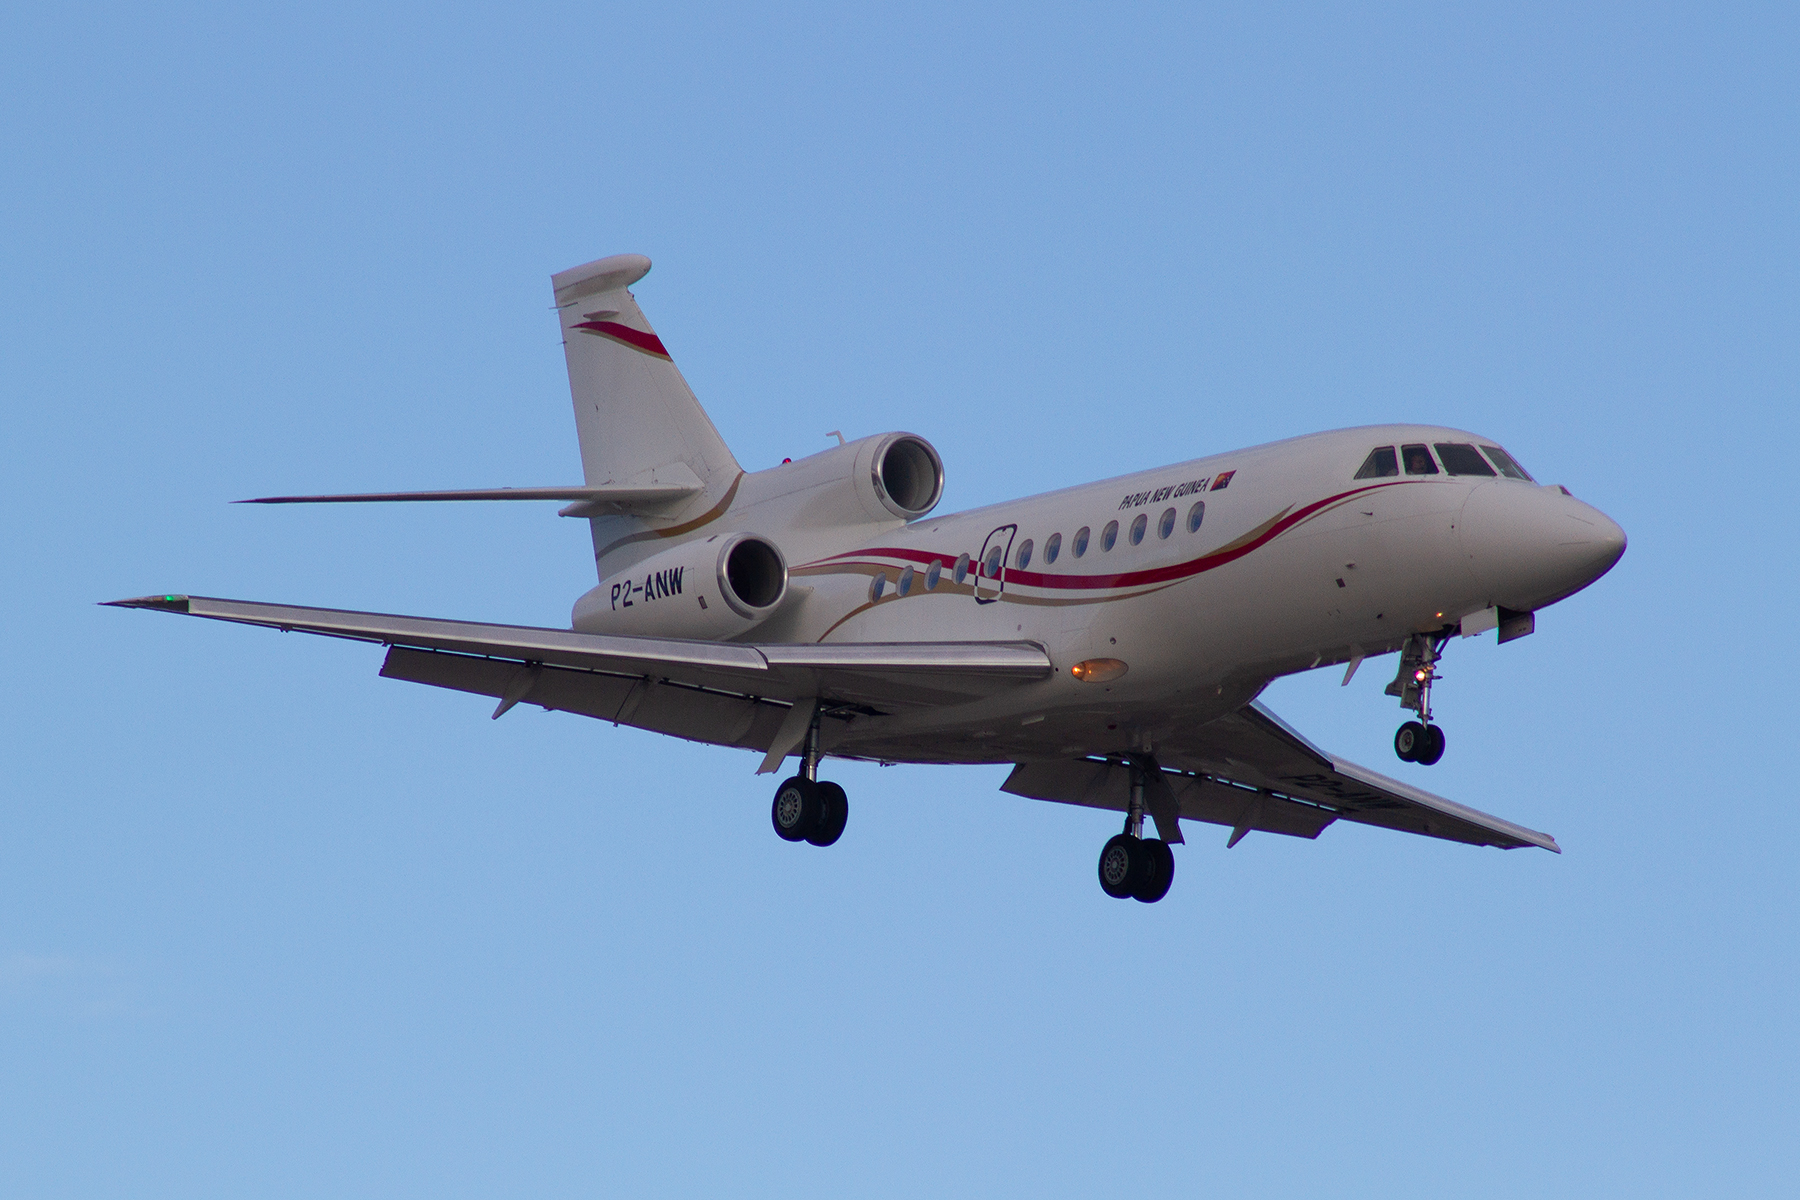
(1132, 865)
(807, 808)
(1419, 741)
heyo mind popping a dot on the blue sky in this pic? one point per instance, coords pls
(271, 925)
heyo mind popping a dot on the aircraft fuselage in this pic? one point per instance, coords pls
(1291, 563)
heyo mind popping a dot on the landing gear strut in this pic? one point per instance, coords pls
(1419, 741)
(1132, 865)
(806, 808)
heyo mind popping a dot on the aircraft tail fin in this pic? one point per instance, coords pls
(637, 419)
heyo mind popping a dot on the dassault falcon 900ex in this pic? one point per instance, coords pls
(1109, 640)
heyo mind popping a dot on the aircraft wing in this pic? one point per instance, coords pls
(595, 673)
(1252, 771)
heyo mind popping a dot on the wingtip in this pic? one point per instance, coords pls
(168, 603)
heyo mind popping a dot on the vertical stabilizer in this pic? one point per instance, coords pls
(634, 412)
(637, 419)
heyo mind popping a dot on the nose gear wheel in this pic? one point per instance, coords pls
(1419, 741)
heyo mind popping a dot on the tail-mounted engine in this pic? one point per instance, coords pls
(899, 475)
(706, 589)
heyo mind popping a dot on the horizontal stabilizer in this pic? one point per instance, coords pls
(626, 495)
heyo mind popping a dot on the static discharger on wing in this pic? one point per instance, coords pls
(1108, 640)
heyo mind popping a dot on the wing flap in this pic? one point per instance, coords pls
(717, 718)
(1098, 783)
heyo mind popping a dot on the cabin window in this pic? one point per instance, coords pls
(1080, 543)
(1024, 559)
(1166, 525)
(933, 573)
(1509, 466)
(1380, 464)
(1138, 526)
(1196, 515)
(877, 586)
(1460, 458)
(1109, 535)
(962, 567)
(906, 581)
(994, 558)
(1052, 548)
(1418, 460)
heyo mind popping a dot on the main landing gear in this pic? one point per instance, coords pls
(806, 808)
(1132, 865)
(1419, 741)
(810, 810)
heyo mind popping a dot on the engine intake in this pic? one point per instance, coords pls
(908, 476)
(752, 576)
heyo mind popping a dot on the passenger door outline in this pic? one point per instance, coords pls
(1002, 536)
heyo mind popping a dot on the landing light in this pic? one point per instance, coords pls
(1098, 670)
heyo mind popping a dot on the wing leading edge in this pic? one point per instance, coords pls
(1253, 771)
(472, 655)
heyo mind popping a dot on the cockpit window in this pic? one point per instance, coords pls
(1460, 459)
(1381, 462)
(1418, 460)
(1509, 466)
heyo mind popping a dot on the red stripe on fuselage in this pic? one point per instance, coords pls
(637, 339)
(1125, 579)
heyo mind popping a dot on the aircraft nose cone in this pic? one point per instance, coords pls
(1532, 546)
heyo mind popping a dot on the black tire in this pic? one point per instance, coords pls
(1433, 749)
(834, 810)
(795, 811)
(1121, 865)
(1409, 740)
(1159, 872)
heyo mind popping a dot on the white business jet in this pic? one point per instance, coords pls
(1110, 639)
